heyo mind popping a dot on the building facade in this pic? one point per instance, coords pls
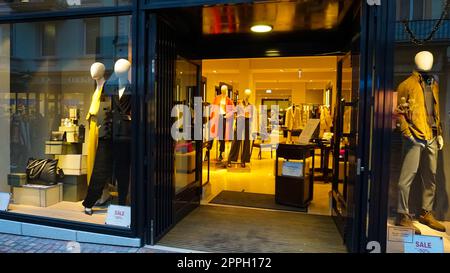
(48, 84)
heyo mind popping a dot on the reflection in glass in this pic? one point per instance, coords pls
(19, 6)
(46, 93)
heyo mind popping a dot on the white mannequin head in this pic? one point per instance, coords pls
(424, 61)
(121, 68)
(224, 90)
(97, 71)
(247, 94)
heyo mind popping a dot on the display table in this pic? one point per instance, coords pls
(294, 176)
(325, 151)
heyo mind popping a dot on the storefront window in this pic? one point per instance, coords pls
(65, 95)
(23, 6)
(419, 193)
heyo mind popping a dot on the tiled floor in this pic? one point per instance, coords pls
(243, 230)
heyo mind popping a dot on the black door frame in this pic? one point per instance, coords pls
(381, 35)
(357, 225)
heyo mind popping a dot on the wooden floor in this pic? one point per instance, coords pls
(72, 211)
(241, 230)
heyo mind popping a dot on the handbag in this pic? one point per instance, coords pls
(43, 171)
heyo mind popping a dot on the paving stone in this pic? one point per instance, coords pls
(10, 243)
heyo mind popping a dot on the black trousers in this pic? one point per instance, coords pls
(222, 132)
(112, 160)
(241, 139)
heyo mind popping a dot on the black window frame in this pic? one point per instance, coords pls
(137, 199)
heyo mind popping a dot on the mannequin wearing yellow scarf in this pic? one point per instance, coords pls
(97, 73)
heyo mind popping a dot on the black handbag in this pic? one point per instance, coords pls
(43, 171)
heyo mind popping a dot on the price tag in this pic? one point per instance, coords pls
(400, 234)
(425, 244)
(5, 198)
(118, 216)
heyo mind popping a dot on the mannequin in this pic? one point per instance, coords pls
(222, 117)
(325, 121)
(112, 160)
(97, 74)
(293, 120)
(421, 128)
(244, 123)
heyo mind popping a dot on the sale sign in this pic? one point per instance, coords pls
(4, 201)
(119, 216)
(425, 244)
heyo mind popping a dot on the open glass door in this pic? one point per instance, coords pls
(174, 163)
(188, 150)
(345, 146)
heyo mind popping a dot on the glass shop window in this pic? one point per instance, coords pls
(65, 112)
(26, 6)
(419, 191)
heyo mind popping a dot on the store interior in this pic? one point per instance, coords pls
(303, 82)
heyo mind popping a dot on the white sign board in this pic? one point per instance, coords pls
(308, 132)
(118, 216)
(400, 234)
(294, 169)
(4, 201)
(425, 244)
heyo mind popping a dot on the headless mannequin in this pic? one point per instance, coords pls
(223, 102)
(418, 98)
(122, 68)
(121, 105)
(97, 74)
(241, 142)
(424, 61)
(113, 156)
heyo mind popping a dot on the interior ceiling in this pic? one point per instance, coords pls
(283, 16)
(300, 28)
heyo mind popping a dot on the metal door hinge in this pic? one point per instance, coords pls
(152, 233)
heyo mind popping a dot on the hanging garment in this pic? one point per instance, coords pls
(325, 121)
(222, 107)
(293, 118)
(92, 143)
(246, 124)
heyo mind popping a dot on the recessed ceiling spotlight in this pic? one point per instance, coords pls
(268, 91)
(214, 71)
(261, 28)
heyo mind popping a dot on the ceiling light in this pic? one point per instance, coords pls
(261, 28)
(214, 71)
(268, 91)
(273, 53)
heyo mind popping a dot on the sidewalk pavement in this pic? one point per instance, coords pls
(23, 244)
